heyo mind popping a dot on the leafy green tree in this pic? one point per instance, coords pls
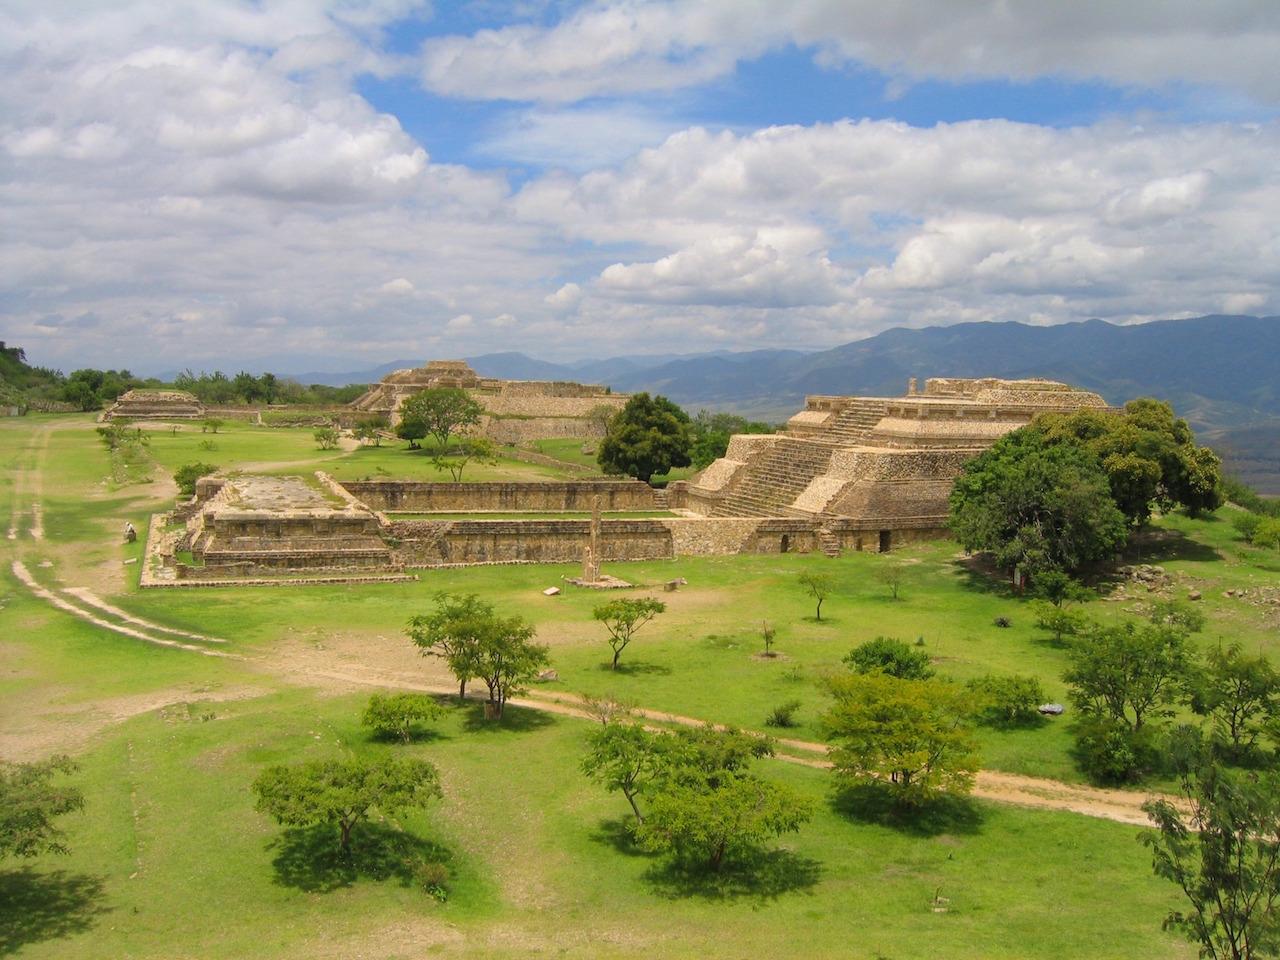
(911, 737)
(704, 808)
(30, 801)
(648, 436)
(1149, 455)
(892, 577)
(212, 424)
(1007, 699)
(818, 586)
(622, 618)
(480, 449)
(1130, 672)
(477, 643)
(1241, 693)
(187, 475)
(700, 822)
(892, 657)
(438, 412)
(395, 715)
(713, 431)
(343, 792)
(453, 632)
(326, 438)
(79, 393)
(628, 758)
(369, 429)
(1036, 505)
(1225, 857)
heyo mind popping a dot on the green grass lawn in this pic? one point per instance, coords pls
(170, 859)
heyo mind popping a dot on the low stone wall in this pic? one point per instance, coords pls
(550, 497)
(431, 543)
(525, 429)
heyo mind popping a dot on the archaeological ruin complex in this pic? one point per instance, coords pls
(155, 405)
(848, 473)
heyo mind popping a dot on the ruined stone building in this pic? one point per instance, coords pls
(515, 410)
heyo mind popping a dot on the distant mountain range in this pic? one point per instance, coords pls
(1222, 373)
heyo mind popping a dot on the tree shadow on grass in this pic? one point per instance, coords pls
(418, 735)
(637, 668)
(513, 720)
(764, 876)
(978, 574)
(871, 803)
(37, 906)
(617, 834)
(1164, 545)
(309, 859)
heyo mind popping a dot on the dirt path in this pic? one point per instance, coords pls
(28, 485)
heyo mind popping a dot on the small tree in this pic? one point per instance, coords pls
(326, 438)
(819, 586)
(628, 758)
(892, 576)
(438, 412)
(476, 642)
(910, 736)
(30, 802)
(369, 429)
(622, 618)
(1241, 693)
(704, 807)
(479, 449)
(212, 424)
(343, 792)
(892, 657)
(1225, 857)
(395, 715)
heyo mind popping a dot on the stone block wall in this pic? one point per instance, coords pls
(567, 496)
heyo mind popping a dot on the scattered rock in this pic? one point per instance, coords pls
(546, 676)
(551, 592)
(1051, 709)
(131, 560)
(1193, 595)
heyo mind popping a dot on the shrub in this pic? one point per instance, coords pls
(889, 656)
(1002, 622)
(187, 475)
(1111, 752)
(1008, 698)
(434, 879)
(783, 715)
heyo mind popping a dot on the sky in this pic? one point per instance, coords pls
(299, 185)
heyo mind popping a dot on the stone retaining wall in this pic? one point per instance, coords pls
(549, 497)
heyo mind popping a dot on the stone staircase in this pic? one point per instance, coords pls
(828, 542)
(777, 479)
(854, 423)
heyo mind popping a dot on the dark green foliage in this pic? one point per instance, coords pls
(622, 618)
(712, 432)
(30, 802)
(343, 792)
(1003, 622)
(187, 475)
(891, 657)
(395, 715)
(1037, 506)
(648, 436)
(326, 437)
(1225, 857)
(628, 758)
(1110, 751)
(1150, 456)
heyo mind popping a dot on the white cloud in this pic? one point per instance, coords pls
(661, 45)
(397, 287)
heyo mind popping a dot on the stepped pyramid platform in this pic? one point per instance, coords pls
(872, 471)
(257, 526)
(155, 405)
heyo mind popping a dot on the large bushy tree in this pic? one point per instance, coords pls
(343, 792)
(912, 737)
(650, 435)
(440, 413)
(30, 801)
(1036, 505)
